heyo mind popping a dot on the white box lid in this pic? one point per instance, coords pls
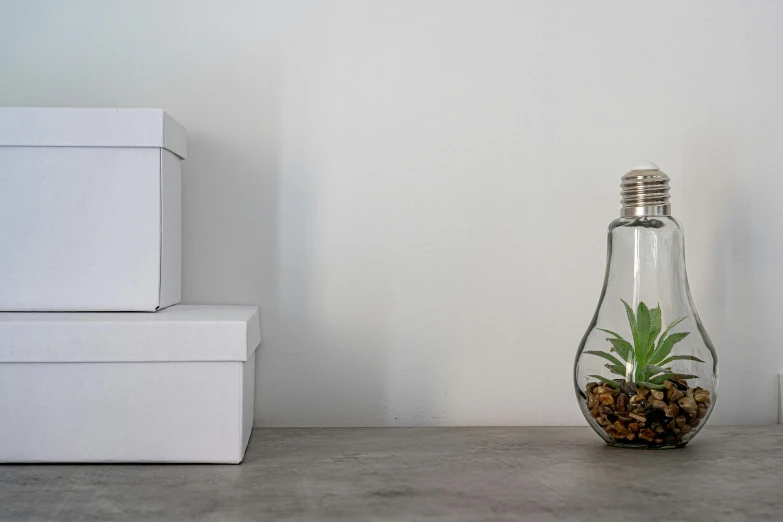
(91, 127)
(179, 333)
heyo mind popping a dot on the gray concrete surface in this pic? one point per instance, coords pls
(443, 474)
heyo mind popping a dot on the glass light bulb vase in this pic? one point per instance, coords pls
(646, 373)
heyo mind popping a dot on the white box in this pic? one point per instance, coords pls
(174, 386)
(90, 209)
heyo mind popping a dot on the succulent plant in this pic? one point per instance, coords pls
(645, 361)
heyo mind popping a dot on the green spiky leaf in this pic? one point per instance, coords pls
(609, 357)
(617, 335)
(649, 385)
(651, 370)
(672, 376)
(631, 319)
(622, 348)
(655, 328)
(643, 323)
(672, 325)
(680, 358)
(616, 369)
(665, 346)
(606, 381)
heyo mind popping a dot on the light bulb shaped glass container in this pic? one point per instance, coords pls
(646, 373)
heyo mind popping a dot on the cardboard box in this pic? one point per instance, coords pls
(174, 386)
(90, 209)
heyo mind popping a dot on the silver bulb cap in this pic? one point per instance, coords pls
(645, 192)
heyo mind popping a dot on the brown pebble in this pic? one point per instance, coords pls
(640, 418)
(647, 434)
(591, 386)
(658, 404)
(606, 398)
(623, 416)
(687, 404)
(701, 397)
(657, 394)
(603, 421)
(633, 426)
(695, 421)
(607, 410)
(627, 388)
(667, 384)
(673, 394)
(636, 398)
(620, 429)
(680, 421)
(686, 429)
(590, 401)
(621, 404)
(689, 392)
(659, 441)
(702, 412)
(644, 392)
(671, 410)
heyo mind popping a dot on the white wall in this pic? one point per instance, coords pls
(416, 193)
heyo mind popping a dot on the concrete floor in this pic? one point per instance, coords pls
(444, 474)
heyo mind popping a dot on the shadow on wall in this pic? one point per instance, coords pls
(322, 356)
(231, 216)
(743, 285)
(228, 221)
(252, 235)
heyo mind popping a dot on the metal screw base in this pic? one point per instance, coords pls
(645, 192)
